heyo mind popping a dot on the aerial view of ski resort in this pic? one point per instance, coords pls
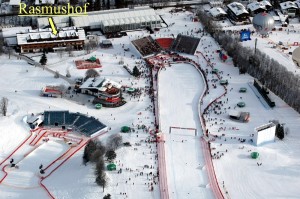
(149, 99)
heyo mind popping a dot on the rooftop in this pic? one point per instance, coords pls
(100, 83)
(287, 5)
(216, 11)
(258, 5)
(237, 8)
(46, 35)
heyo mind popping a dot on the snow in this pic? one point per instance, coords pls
(183, 147)
(237, 8)
(180, 87)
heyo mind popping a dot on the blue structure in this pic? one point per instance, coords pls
(245, 35)
(83, 123)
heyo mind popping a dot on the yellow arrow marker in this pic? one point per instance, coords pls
(54, 31)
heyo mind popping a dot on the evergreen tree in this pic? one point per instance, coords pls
(107, 196)
(97, 5)
(73, 2)
(89, 149)
(91, 5)
(102, 180)
(136, 72)
(279, 131)
(110, 155)
(43, 59)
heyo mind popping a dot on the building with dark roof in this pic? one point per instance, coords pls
(237, 12)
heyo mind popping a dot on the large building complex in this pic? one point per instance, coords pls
(43, 39)
(109, 20)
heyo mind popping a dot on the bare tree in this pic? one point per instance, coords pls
(87, 48)
(69, 49)
(114, 142)
(91, 73)
(4, 105)
(68, 74)
(60, 53)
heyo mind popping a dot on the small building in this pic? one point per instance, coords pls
(10, 34)
(239, 116)
(215, 4)
(51, 91)
(43, 39)
(289, 8)
(218, 13)
(106, 91)
(106, 43)
(258, 7)
(237, 12)
(264, 134)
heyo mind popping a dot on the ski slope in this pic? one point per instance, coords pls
(180, 87)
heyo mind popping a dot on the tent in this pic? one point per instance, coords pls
(92, 59)
(98, 106)
(241, 104)
(254, 155)
(130, 90)
(111, 167)
(215, 71)
(243, 90)
(224, 82)
(125, 129)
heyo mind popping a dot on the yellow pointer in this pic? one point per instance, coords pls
(54, 31)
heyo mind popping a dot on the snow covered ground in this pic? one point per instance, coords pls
(180, 87)
(280, 160)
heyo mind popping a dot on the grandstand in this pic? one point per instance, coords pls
(185, 44)
(89, 126)
(165, 43)
(146, 46)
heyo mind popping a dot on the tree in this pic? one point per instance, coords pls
(91, 73)
(102, 180)
(69, 49)
(88, 150)
(136, 71)
(87, 48)
(99, 167)
(114, 141)
(279, 131)
(43, 59)
(110, 155)
(68, 73)
(4, 105)
(56, 74)
(96, 155)
(107, 196)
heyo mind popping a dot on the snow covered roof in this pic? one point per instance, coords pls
(60, 21)
(297, 3)
(42, 2)
(258, 5)
(237, 8)
(288, 4)
(263, 127)
(216, 11)
(117, 17)
(99, 83)
(12, 31)
(41, 35)
(215, 3)
(14, 2)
